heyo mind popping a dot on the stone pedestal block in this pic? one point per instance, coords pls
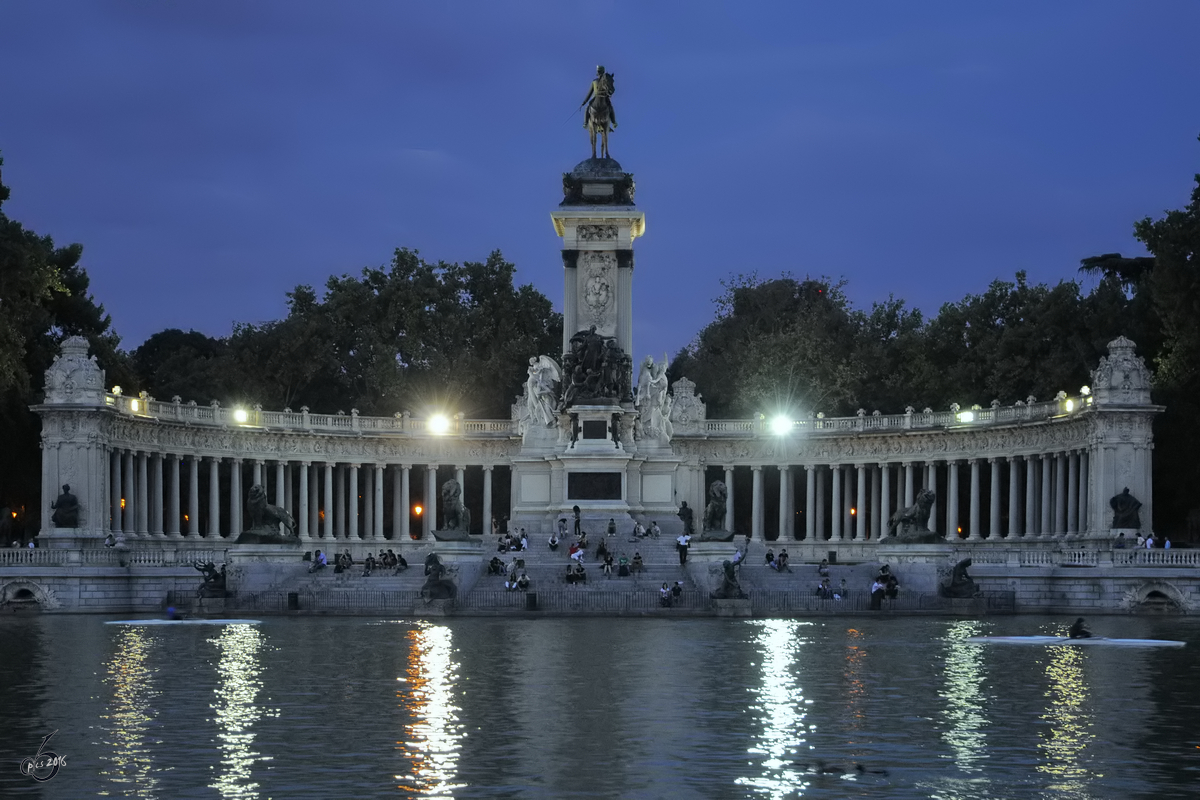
(732, 608)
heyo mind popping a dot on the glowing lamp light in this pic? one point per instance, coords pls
(1069, 405)
(117, 391)
(1085, 390)
(439, 424)
(133, 406)
(122, 502)
(853, 511)
(966, 416)
(781, 426)
(240, 416)
(418, 510)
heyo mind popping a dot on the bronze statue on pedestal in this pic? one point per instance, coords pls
(600, 117)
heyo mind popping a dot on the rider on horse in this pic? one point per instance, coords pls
(600, 117)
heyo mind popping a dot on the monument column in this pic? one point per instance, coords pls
(909, 478)
(127, 510)
(1030, 496)
(402, 520)
(429, 523)
(214, 497)
(314, 504)
(193, 520)
(885, 498)
(328, 532)
(952, 501)
(783, 503)
(836, 502)
(258, 473)
(487, 498)
(352, 501)
(973, 534)
(994, 531)
(368, 503)
(1085, 526)
(729, 499)
(156, 493)
(143, 496)
(114, 490)
(339, 515)
(235, 497)
(1060, 494)
(173, 513)
(302, 504)
(820, 523)
(757, 512)
(1014, 509)
(280, 485)
(860, 527)
(1073, 493)
(931, 485)
(377, 533)
(1046, 506)
(810, 503)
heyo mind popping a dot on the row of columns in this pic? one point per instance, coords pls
(138, 492)
(855, 502)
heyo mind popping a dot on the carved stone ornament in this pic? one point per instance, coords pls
(688, 412)
(596, 233)
(596, 279)
(1122, 377)
(74, 377)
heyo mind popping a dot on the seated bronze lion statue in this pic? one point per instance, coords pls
(263, 515)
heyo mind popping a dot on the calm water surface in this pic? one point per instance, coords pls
(551, 708)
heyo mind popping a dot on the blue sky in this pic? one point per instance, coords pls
(212, 155)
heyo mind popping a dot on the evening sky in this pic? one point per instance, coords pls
(212, 155)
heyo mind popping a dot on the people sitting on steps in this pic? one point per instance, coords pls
(495, 566)
(319, 562)
(637, 565)
(782, 561)
(523, 583)
(553, 542)
(823, 568)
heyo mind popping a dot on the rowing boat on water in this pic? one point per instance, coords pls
(1061, 640)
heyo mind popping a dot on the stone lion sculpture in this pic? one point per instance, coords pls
(456, 517)
(911, 524)
(265, 519)
(714, 514)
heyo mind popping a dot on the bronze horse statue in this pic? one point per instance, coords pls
(600, 117)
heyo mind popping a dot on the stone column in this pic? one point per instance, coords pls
(280, 485)
(973, 532)
(836, 502)
(368, 504)
(885, 498)
(377, 531)
(302, 505)
(314, 505)
(1085, 526)
(287, 487)
(860, 511)
(810, 503)
(487, 498)
(400, 527)
(820, 513)
(258, 474)
(874, 503)
(327, 529)
(1030, 496)
(194, 496)
(952, 501)
(1014, 505)
(127, 512)
(352, 504)
(783, 503)
(1073, 493)
(173, 510)
(994, 531)
(235, 497)
(931, 485)
(143, 496)
(729, 499)
(339, 513)
(156, 493)
(1060, 494)
(431, 506)
(114, 491)
(1046, 506)
(757, 512)
(909, 478)
(214, 498)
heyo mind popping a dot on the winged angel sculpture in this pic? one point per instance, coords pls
(653, 402)
(539, 390)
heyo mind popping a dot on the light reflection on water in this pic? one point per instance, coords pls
(236, 709)
(130, 713)
(779, 705)
(435, 736)
(1070, 733)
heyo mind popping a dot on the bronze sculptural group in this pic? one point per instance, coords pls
(456, 517)
(714, 514)
(66, 509)
(911, 525)
(265, 520)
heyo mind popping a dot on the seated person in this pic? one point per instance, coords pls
(637, 565)
(664, 596)
(655, 531)
(1079, 630)
(738, 555)
(368, 565)
(580, 573)
(623, 566)
(570, 574)
(495, 566)
(770, 557)
(612, 527)
(781, 561)
(823, 568)
(677, 589)
(524, 540)
(583, 542)
(891, 587)
(823, 590)
(601, 550)
(510, 583)
(553, 542)
(319, 562)
(401, 562)
(523, 583)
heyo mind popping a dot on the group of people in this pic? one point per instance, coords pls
(1149, 542)
(779, 563)
(512, 544)
(668, 595)
(885, 586)
(343, 562)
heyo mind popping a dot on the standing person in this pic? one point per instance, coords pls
(664, 595)
(562, 527)
(612, 527)
(578, 520)
(687, 516)
(677, 590)
(877, 590)
(608, 565)
(495, 527)
(681, 544)
(1150, 542)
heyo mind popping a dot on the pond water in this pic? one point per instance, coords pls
(640, 708)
